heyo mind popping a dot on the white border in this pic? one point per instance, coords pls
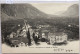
(25, 1)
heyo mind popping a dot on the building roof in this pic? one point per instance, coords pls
(57, 34)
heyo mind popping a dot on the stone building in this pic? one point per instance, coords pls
(59, 37)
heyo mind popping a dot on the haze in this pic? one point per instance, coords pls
(53, 8)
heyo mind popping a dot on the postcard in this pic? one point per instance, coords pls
(40, 27)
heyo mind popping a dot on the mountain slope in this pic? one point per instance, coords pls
(20, 11)
(72, 11)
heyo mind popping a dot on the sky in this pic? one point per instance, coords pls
(53, 8)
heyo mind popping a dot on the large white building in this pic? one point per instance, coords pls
(59, 37)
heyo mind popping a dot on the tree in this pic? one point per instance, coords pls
(28, 37)
(33, 35)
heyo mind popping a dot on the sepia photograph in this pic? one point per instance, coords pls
(48, 27)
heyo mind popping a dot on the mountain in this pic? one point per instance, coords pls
(72, 11)
(20, 11)
(13, 14)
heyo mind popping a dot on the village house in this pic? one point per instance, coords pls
(59, 37)
(17, 42)
(12, 35)
(37, 34)
(19, 37)
(44, 35)
(43, 26)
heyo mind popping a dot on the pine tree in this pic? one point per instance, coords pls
(28, 37)
(33, 35)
